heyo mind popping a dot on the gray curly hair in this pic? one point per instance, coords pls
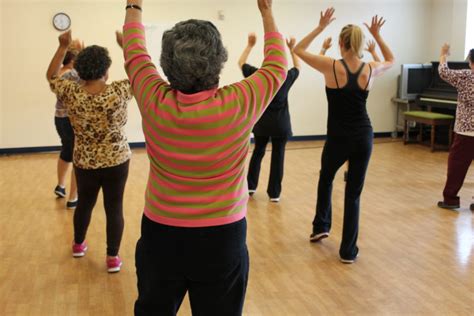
(192, 56)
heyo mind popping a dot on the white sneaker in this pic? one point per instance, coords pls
(275, 200)
(251, 192)
(348, 261)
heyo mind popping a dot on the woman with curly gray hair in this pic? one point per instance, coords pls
(98, 114)
(197, 137)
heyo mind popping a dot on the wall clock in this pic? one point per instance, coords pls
(61, 21)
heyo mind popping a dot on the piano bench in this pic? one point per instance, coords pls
(428, 118)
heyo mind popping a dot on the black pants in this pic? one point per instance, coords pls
(276, 166)
(112, 181)
(211, 263)
(335, 154)
(66, 134)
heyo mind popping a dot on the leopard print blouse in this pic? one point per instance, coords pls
(463, 81)
(98, 121)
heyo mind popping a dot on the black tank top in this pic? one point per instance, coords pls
(347, 111)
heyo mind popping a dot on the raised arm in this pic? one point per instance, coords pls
(318, 62)
(134, 11)
(147, 84)
(256, 91)
(379, 67)
(252, 39)
(371, 49)
(453, 77)
(326, 46)
(65, 39)
(291, 46)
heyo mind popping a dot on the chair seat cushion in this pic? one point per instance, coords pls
(428, 115)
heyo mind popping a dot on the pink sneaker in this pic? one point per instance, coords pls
(113, 264)
(79, 250)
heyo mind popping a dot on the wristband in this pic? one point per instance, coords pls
(133, 6)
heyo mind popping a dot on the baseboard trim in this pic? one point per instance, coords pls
(135, 145)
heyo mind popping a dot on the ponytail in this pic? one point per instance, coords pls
(352, 39)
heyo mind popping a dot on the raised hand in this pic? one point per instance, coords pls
(252, 39)
(65, 39)
(327, 43)
(326, 18)
(370, 46)
(77, 45)
(375, 26)
(119, 38)
(290, 42)
(264, 5)
(445, 49)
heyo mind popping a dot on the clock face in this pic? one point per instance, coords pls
(61, 21)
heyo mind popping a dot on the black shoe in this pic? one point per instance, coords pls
(315, 237)
(441, 204)
(60, 192)
(71, 204)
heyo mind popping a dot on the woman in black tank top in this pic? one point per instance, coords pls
(349, 131)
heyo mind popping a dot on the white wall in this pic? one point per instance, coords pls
(470, 27)
(449, 25)
(27, 105)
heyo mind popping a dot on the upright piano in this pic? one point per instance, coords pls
(440, 95)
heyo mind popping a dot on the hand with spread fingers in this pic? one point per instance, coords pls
(326, 18)
(375, 25)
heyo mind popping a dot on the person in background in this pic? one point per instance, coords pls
(349, 130)
(275, 124)
(193, 236)
(461, 152)
(65, 131)
(98, 114)
(371, 48)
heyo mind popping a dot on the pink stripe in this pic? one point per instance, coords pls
(278, 59)
(231, 173)
(195, 222)
(192, 144)
(194, 200)
(273, 35)
(194, 157)
(212, 118)
(187, 130)
(193, 211)
(274, 46)
(184, 187)
(230, 159)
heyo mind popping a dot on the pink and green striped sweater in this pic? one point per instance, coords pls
(197, 143)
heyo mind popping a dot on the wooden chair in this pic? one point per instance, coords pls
(428, 118)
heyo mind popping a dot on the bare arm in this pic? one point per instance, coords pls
(380, 67)
(371, 49)
(134, 14)
(318, 62)
(291, 46)
(65, 40)
(326, 46)
(252, 39)
(265, 7)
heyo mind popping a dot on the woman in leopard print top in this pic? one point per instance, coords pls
(98, 114)
(461, 153)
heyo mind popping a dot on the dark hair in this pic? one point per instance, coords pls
(70, 56)
(192, 56)
(471, 55)
(92, 62)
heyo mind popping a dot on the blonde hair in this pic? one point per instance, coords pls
(352, 38)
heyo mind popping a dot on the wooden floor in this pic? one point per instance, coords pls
(415, 259)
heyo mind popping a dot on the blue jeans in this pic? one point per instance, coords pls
(335, 153)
